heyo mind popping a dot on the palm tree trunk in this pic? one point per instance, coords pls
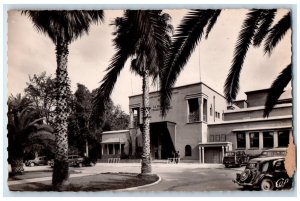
(146, 159)
(17, 166)
(61, 167)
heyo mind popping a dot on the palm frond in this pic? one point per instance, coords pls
(277, 88)
(277, 32)
(68, 25)
(212, 21)
(125, 41)
(264, 25)
(187, 36)
(246, 34)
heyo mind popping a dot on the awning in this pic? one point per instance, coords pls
(214, 144)
(113, 141)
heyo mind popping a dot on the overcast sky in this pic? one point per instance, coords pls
(30, 52)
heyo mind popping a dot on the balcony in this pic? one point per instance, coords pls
(194, 117)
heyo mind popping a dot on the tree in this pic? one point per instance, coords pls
(26, 131)
(41, 90)
(115, 118)
(142, 35)
(256, 28)
(82, 116)
(186, 37)
(62, 27)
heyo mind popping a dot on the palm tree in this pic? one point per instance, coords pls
(26, 131)
(62, 27)
(142, 35)
(256, 28)
(187, 35)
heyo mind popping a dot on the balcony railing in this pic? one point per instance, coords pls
(194, 117)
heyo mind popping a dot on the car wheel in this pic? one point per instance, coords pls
(79, 164)
(92, 164)
(31, 164)
(267, 185)
(227, 166)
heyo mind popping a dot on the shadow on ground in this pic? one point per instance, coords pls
(99, 182)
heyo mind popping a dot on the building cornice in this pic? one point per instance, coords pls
(252, 120)
(257, 108)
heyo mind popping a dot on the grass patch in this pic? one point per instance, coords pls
(98, 182)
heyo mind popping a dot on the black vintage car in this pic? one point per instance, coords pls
(78, 161)
(265, 173)
(235, 158)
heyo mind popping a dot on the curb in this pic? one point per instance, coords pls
(138, 187)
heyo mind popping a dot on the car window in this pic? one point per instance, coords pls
(279, 165)
(265, 167)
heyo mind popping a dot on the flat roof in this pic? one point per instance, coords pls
(258, 90)
(184, 86)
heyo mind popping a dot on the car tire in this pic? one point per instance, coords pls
(267, 185)
(92, 164)
(226, 166)
(79, 164)
(31, 164)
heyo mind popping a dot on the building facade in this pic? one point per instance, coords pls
(192, 109)
(201, 126)
(115, 143)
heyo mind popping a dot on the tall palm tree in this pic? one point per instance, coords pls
(142, 35)
(256, 28)
(193, 26)
(26, 131)
(62, 27)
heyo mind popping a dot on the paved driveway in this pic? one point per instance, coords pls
(186, 177)
(180, 177)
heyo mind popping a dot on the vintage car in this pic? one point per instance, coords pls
(78, 161)
(40, 160)
(273, 152)
(235, 158)
(265, 173)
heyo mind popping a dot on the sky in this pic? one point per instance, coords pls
(31, 52)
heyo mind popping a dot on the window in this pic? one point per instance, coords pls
(268, 139)
(136, 116)
(283, 138)
(217, 138)
(204, 110)
(194, 112)
(223, 138)
(188, 150)
(254, 139)
(241, 140)
(211, 138)
(210, 110)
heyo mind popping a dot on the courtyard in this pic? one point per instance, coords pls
(182, 177)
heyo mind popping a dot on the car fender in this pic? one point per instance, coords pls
(261, 177)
